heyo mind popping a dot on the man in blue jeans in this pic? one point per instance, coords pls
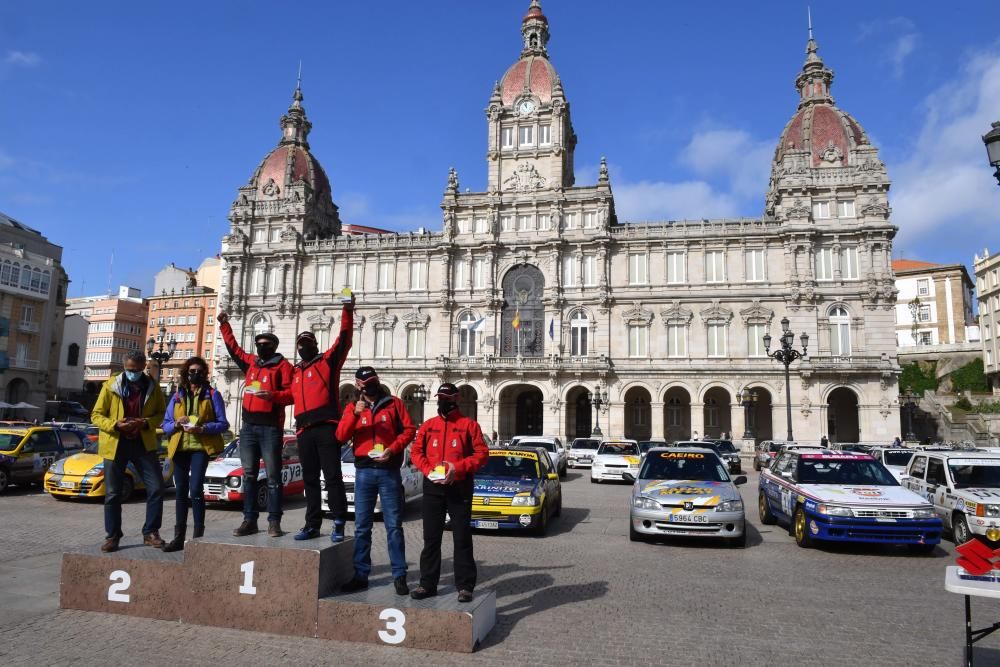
(381, 428)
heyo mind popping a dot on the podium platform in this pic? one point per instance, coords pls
(136, 580)
(379, 616)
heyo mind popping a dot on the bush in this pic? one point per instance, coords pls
(963, 403)
(970, 377)
(987, 408)
(919, 378)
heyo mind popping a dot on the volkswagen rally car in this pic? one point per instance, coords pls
(224, 477)
(686, 491)
(964, 488)
(516, 489)
(844, 497)
(613, 459)
(82, 475)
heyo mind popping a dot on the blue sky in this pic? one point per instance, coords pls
(131, 125)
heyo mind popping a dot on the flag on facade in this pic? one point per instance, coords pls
(517, 320)
(552, 329)
(477, 325)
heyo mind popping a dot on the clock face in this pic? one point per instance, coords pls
(526, 107)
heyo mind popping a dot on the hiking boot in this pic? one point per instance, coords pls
(110, 544)
(465, 596)
(354, 585)
(153, 540)
(176, 544)
(274, 529)
(337, 536)
(248, 527)
(419, 593)
(401, 586)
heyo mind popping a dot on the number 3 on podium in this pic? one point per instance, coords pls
(394, 632)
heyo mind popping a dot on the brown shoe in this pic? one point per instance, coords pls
(274, 529)
(465, 596)
(153, 540)
(110, 544)
(246, 528)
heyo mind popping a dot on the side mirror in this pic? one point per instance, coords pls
(739, 481)
(628, 477)
(552, 475)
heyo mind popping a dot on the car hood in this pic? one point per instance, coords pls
(701, 492)
(979, 495)
(862, 495)
(221, 467)
(77, 464)
(499, 486)
(619, 459)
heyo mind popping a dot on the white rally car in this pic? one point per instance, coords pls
(895, 459)
(613, 459)
(964, 488)
(224, 476)
(413, 480)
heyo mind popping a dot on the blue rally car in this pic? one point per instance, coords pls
(516, 489)
(844, 497)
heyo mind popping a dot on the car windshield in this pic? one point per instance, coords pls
(725, 446)
(693, 466)
(897, 457)
(773, 447)
(586, 444)
(232, 450)
(701, 444)
(647, 445)
(842, 471)
(972, 476)
(618, 448)
(503, 465)
(10, 441)
(90, 446)
(544, 444)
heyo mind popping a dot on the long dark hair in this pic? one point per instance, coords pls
(191, 361)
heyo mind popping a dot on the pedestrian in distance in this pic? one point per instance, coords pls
(448, 450)
(263, 421)
(897, 442)
(314, 391)
(824, 442)
(195, 422)
(380, 428)
(128, 411)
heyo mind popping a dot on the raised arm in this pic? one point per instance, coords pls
(242, 358)
(337, 354)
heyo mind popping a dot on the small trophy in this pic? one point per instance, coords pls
(377, 451)
(438, 473)
(346, 295)
(192, 422)
(253, 387)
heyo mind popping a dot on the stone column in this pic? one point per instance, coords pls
(658, 430)
(737, 420)
(697, 419)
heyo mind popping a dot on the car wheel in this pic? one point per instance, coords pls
(738, 542)
(128, 488)
(543, 525)
(563, 472)
(633, 535)
(764, 510)
(960, 532)
(756, 465)
(261, 501)
(558, 510)
(4, 480)
(800, 528)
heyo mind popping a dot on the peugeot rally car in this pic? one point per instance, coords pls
(82, 475)
(516, 489)
(413, 480)
(844, 497)
(613, 459)
(686, 491)
(964, 488)
(895, 459)
(582, 451)
(224, 477)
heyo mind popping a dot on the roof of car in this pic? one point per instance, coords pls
(618, 441)
(681, 450)
(506, 450)
(835, 454)
(964, 454)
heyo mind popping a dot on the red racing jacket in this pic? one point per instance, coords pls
(387, 423)
(274, 375)
(455, 439)
(315, 385)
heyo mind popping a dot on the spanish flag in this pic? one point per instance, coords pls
(517, 320)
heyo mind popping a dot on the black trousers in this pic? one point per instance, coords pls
(456, 500)
(319, 450)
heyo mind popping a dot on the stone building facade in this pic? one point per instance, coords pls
(934, 305)
(987, 270)
(116, 325)
(667, 318)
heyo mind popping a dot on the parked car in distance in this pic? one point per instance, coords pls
(730, 458)
(895, 459)
(66, 411)
(646, 445)
(27, 452)
(614, 458)
(581, 452)
(413, 480)
(765, 451)
(224, 477)
(550, 443)
(516, 489)
(82, 475)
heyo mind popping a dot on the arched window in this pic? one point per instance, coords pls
(579, 330)
(840, 332)
(712, 412)
(467, 335)
(73, 355)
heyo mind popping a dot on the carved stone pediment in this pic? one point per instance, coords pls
(289, 233)
(875, 210)
(716, 313)
(675, 313)
(637, 314)
(797, 210)
(383, 319)
(525, 179)
(757, 314)
(416, 320)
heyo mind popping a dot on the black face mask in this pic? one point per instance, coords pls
(444, 407)
(308, 352)
(371, 391)
(265, 350)
(196, 377)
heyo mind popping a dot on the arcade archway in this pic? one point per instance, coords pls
(842, 420)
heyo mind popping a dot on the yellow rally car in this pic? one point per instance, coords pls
(82, 475)
(26, 452)
(516, 489)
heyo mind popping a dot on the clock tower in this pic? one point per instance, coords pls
(531, 138)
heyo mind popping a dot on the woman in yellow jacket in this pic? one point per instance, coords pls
(194, 422)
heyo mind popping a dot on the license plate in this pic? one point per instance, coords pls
(688, 518)
(350, 497)
(211, 496)
(492, 525)
(67, 485)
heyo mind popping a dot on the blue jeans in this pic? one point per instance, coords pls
(147, 465)
(261, 442)
(189, 484)
(370, 483)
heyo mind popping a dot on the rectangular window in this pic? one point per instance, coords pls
(924, 313)
(526, 135)
(824, 264)
(637, 274)
(840, 339)
(481, 226)
(27, 314)
(384, 276)
(418, 274)
(543, 222)
(715, 266)
(638, 335)
(461, 274)
(354, 276)
(275, 235)
(257, 281)
(925, 338)
(154, 306)
(994, 276)
(923, 287)
(986, 331)
(676, 268)
(479, 273)
(259, 235)
(569, 220)
(676, 340)
(324, 278)
(171, 320)
(464, 226)
(716, 340)
(524, 223)
(414, 343)
(755, 340)
(383, 340)
(589, 270)
(845, 209)
(821, 210)
(507, 223)
(569, 271)
(507, 137)
(578, 346)
(989, 357)
(544, 135)
(755, 265)
(590, 219)
(849, 263)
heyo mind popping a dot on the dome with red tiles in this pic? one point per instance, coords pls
(533, 74)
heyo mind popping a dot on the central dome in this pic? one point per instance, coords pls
(533, 74)
(285, 166)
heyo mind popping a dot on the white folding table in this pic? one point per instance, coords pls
(957, 580)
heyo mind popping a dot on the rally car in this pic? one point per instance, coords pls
(413, 480)
(224, 477)
(613, 459)
(686, 491)
(963, 487)
(516, 489)
(844, 497)
(895, 459)
(551, 444)
(765, 452)
(581, 452)
(724, 448)
(27, 452)
(82, 475)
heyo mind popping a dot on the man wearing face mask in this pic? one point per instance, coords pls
(448, 450)
(315, 392)
(261, 431)
(128, 411)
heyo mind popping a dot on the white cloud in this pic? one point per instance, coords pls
(22, 58)
(946, 184)
(900, 37)
(659, 200)
(734, 155)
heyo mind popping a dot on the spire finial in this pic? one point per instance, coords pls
(810, 15)
(534, 30)
(298, 79)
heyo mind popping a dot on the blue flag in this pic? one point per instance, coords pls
(552, 329)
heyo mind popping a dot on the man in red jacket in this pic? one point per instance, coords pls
(261, 431)
(449, 449)
(381, 428)
(315, 391)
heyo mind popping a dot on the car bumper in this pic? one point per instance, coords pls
(979, 525)
(513, 518)
(611, 473)
(719, 524)
(75, 486)
(580, 463)
(895, 531)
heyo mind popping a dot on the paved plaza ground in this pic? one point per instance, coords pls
(582, 595)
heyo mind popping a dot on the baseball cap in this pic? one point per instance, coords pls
(447, 390)
(306, 335)
(366, 374)
(266, 336)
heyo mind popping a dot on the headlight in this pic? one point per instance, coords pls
(530, 501)
(642, 502)
(926, 513)
(234, 481)
(96, 471)
(834, 510)
(730, 506)
(992, 510)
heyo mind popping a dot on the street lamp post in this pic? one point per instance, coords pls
(159, 355)
(786, 355)
(420, 395)
(748, 398)
(597, 399)
(992, 141)
(914, 315)
(909, 402)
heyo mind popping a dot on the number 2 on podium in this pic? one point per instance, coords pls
(120, 581)
(247, 587)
